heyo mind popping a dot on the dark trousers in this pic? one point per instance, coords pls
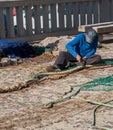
(65, 58)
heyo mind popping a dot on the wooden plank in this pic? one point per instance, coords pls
(45, 19)
(76, 17)
(19, 16)
(61, 16)
(82, 9)
(96, 12)
(110, 8)
(104, 29)
(37, 20)
(10, 23)
(40, 36)
(89, 11)
(68, 15)
(106, 6)
(2, 24)
(83, 28)
(34, 2)
(104, 11)
(28, 17)
(53, 18)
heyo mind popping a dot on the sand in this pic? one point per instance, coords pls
(25, 109)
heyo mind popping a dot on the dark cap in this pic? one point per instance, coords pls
(91, 35)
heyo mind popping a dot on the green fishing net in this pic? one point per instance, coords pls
(40, 50)
(99, 84)
(107, 62)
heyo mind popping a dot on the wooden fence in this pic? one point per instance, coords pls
(37, 19)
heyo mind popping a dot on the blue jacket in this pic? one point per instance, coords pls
(79, 46)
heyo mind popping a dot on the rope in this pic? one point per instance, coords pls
(94, 116)
(93, 102)
(68, 71)
(51, 104)
(88, 86)
(101, 128)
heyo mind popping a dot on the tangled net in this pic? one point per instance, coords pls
(99, 84)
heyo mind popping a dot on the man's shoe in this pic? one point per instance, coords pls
(52, 68)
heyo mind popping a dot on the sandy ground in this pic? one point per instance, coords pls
(25, 109)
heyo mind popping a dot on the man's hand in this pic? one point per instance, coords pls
(78, 58)
(81, 60)
(84, 59)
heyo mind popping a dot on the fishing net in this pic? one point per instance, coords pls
(99, 84)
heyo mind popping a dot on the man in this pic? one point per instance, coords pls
(80, 50)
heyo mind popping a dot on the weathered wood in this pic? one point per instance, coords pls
(100, 28)
(28, 17)
(63, 16)
(20, 27)
(83, 28)
(76, 16)
(104, 29)
(37, 19)
(82, 10)
(45, 19)
(89, 14)
(104, 11)
(10, 23)
(2, 24)
(96, 12)
(68, 15)
(53, 18)
(42, 36)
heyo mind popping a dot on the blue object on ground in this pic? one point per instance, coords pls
(16, 48)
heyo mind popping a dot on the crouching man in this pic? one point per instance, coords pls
(80, 50)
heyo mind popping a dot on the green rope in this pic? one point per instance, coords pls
(50, 104)
(94, 115)
(94, 85)
(101, 128)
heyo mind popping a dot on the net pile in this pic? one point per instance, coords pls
(99, 84)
